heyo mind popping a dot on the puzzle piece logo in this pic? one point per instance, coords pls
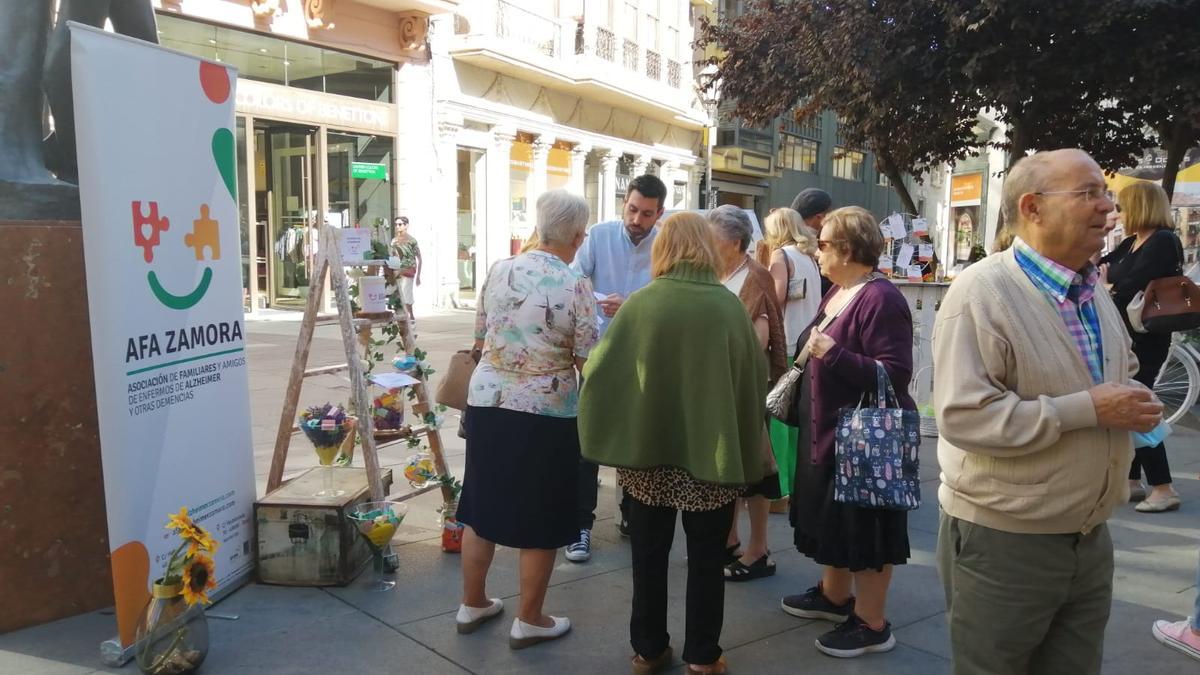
(205, 233)
(147, 231)
(156, 224)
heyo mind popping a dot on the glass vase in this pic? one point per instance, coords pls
(172, 636)
(378, 523)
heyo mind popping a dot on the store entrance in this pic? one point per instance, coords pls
(471, 170)
(288, 213)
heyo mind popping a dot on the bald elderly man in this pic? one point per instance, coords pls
(1035, 399)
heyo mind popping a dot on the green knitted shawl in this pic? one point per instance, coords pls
(678, 380)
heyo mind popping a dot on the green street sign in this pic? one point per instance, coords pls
(368, 170)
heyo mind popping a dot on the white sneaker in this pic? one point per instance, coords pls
(470, 618)
(581, 551)
(525, 635)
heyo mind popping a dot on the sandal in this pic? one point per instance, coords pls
(738, 571)
(732, 553)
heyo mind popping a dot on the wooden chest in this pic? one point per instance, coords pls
(305, 540)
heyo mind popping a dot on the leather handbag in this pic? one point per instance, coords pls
(875, 449)
(452, 389)
(782, 403)
(1170, 304)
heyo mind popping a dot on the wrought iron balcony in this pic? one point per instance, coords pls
(606, 44)
(673, 73)
(630, 55)
(653, 65)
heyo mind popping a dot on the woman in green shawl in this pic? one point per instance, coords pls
(674, 398)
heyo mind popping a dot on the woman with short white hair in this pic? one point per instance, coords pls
(535, 324)
(753, 285)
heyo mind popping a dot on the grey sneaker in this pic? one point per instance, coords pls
(581, 551)
(812, 604)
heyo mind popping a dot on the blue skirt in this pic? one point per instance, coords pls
(521, 487)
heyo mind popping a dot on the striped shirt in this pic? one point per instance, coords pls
(1072, 294)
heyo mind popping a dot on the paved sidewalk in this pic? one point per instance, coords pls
(411, 630)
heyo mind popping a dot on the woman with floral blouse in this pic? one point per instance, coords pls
(535, 324)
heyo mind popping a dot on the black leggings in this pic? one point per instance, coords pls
(1154, 459)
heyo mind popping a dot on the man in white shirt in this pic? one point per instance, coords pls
(616, 257)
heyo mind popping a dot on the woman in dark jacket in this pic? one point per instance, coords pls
(1151, 252)
(857, 546)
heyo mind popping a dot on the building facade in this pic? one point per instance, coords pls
(536, 95)
(764, 168)
(456, 114)
(317, 120)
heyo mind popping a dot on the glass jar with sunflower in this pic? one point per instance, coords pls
(172, 634)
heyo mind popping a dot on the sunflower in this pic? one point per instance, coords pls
(180, 522)
(200, 540)
(199, 576)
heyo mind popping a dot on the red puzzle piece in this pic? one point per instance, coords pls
(157, 227)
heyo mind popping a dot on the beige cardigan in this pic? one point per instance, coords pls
(1019, 447)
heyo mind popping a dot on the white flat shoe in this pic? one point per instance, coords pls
(470, 618)
(525, 635)
(1152, 505)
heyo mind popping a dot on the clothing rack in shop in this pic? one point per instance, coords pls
(353, 330)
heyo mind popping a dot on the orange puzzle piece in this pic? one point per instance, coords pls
(205, 232)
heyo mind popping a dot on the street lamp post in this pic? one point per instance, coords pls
(707, 93)
(710, 192)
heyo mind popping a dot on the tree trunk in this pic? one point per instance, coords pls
(888, 167)
(1019, 143)
(1176, 139)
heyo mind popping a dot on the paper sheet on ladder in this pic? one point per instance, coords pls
(394, 380)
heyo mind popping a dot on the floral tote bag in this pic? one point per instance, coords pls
(876, 448)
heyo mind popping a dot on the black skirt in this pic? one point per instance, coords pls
(767, 487)
(520, 487)
(839, 535)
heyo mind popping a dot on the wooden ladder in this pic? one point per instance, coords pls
(329, 261)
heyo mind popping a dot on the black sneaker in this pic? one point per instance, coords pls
(623, 528)
(853, 638)
(812, 604)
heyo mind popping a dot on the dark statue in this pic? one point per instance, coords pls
(36, 174)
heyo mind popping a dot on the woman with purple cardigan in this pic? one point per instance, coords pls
(857, 546)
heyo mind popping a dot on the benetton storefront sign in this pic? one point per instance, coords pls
(311, 107)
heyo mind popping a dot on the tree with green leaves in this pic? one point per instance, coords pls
(880, 65)
(1044, 69)
(1158, 83)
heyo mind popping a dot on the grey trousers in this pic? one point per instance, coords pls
(1020, 604)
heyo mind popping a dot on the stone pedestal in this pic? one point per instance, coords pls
(53, 532)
